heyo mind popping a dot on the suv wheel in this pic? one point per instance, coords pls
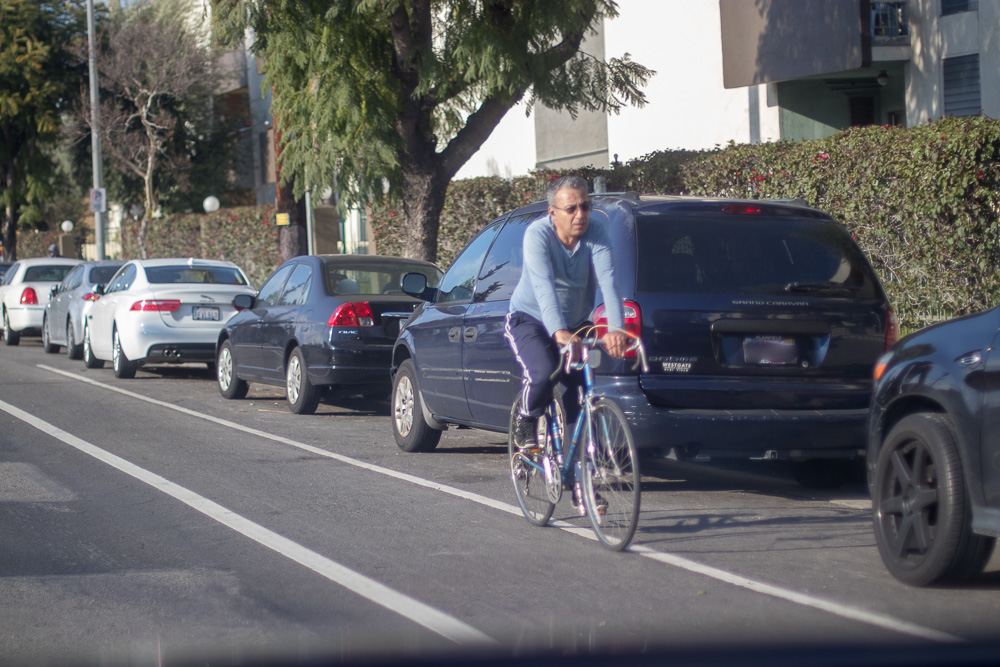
(921, 508)
(409, 427)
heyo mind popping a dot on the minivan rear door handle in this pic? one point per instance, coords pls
(455, 334)
(471, 334)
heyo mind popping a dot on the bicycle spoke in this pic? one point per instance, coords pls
(611, 478)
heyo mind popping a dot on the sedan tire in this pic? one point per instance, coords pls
(124, 368)
(10, 337)
(74, 350)
(921, 508)
(302, 396)
(47, 344)
(89, 360)
(411, 430)
(230, 386)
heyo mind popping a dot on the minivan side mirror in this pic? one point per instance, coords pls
(415, 284)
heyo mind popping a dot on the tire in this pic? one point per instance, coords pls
(124, 368)
(74, 350)
(10, 337)
(822, 473)
(411, 430)
(528, 472)
(610, 465)
(920, 507)
(47, 344)
(89, 360)
(230, 386)
(302, 396)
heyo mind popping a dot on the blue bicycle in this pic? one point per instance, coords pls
(601, 444)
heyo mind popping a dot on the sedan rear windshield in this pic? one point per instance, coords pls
(375, 277)
(214, 275)
(757, 256)
(102, 274)
(52, 274)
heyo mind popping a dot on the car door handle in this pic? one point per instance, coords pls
(455, 334)
(471, 334)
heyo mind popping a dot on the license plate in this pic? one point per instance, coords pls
(770, 351)
(210, 313)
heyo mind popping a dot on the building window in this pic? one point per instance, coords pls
(862, 111)
(958, 6)
(961, 86)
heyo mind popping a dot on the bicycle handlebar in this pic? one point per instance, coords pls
(589, 342)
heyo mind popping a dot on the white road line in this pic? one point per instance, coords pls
(447, 626)
(844, 611)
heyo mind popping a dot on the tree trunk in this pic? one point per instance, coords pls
(292, 240)
(10, 235)
(423, 196)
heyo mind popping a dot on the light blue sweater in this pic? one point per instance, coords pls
(558, 286)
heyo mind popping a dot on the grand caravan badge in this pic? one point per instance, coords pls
(674, 364)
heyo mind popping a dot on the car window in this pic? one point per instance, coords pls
(99, 275)
(297, 288)
(72, 279)
(123, 279)
(11, 272)
(502, 268)
(373, 277)
(268, 294)
(459, 280)
(52, 273)
(749, 256)
(186, 273)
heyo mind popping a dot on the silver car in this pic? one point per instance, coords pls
(161, 311)
(62, 325)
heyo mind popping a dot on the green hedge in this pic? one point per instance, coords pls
(245, 235)
(923, 203)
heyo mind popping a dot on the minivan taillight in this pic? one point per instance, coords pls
(29, 297)
(891, 328)
(357, 314)
(632, 316)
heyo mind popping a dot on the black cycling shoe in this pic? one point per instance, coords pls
(524, 431)
(581, 507)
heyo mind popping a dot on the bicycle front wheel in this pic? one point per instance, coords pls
(611, 488)
(528, 471)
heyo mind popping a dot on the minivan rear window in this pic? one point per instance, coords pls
(750, 256)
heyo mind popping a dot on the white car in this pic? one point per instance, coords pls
(161, 311)
(25, 293)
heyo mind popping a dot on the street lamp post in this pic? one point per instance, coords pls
(95, 138)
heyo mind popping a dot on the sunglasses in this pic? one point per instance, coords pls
(571, 209)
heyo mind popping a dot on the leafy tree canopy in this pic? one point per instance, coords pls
(36, 71)
(401, 93)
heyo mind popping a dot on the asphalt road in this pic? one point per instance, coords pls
(151, 521)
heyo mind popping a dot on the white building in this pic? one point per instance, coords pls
(761, 70)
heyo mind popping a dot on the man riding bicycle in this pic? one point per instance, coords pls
(565, 259)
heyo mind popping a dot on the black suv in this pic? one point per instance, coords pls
(762, 321)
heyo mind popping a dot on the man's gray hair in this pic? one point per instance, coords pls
(572, 182)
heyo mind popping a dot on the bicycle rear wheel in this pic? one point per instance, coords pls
(611, 476)
(528, 472)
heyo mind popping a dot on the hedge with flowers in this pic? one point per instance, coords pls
(245, 235)
(923, 202)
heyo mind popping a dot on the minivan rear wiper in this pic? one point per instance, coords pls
(822, 288)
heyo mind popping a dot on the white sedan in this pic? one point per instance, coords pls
(25, 292)
(161, 311)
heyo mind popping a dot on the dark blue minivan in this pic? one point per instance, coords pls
(761, 319)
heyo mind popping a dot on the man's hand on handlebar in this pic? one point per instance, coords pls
(616, 343)
(564, 337)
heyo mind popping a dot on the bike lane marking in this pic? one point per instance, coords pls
(434, 620)
(829, 606)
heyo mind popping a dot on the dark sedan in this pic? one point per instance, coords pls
(319, 322)
(933, 447)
